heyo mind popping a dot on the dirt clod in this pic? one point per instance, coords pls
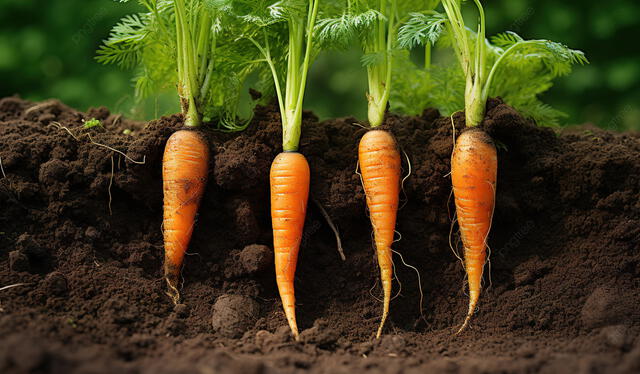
(617, 336)
(233, 315)
(320, 334)
(56, 284)
(606, 306)
(256, 258)
(393, 343)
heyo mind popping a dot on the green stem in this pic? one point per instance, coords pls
(475, 102)
(187, 71)
(266, 53)
(292, 83)
(297, 77)
(204, 39)
(379, 75)
(206, 83)
(475, 71)
(498, 62)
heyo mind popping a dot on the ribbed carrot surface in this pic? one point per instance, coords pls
(184, 174)
(289, 194)
(474, 166)
(380, 167)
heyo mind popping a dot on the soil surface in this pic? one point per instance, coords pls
(81, 288)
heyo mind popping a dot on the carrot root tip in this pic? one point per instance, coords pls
(381, 327)
(172, 288)
(464, 325)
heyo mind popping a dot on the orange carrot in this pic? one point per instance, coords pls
(474, 166)
(380, 166)
(289, 193)
(184, 175)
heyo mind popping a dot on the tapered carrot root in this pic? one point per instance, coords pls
(289, 194)
(184, 174)
(474, 166)
(380, 167)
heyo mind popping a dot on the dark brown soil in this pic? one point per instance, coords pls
(564, 280)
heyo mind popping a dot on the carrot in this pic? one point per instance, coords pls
(289, 193)
(184, 175)
(380, 166)
(474, 167)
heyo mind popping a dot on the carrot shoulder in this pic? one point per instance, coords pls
(184, 175)
(289, 179)
(380, 167)
(474, 166)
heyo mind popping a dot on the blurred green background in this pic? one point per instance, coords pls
(47, 50)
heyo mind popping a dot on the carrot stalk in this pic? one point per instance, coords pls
(184, 174)
(380, 167)
(474, 167)
(289, 193)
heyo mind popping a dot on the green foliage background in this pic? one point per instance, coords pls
(47, 50)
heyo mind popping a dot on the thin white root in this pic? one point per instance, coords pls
(409, 172)
(39, 106)
(60, 127)
(144, 157)
(453, 126)
(486, 238)
(13, 285)
(359, 125)
(449, 205)
(366, 208)
(455, 253)
(116, 120)
(395, 276)
(406, 198)
(399, 236)
(419, 281)
(375, 284)
(2, 169)
(333, 228)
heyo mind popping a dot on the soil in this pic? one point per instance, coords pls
(81, 244)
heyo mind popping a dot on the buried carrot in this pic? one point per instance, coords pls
(474, 167)
(289, 176)
(379, 160)
(184, 175)
(474, 159)
(289, 179)
(379, 157)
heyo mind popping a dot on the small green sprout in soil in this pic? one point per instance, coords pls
(92, 123)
